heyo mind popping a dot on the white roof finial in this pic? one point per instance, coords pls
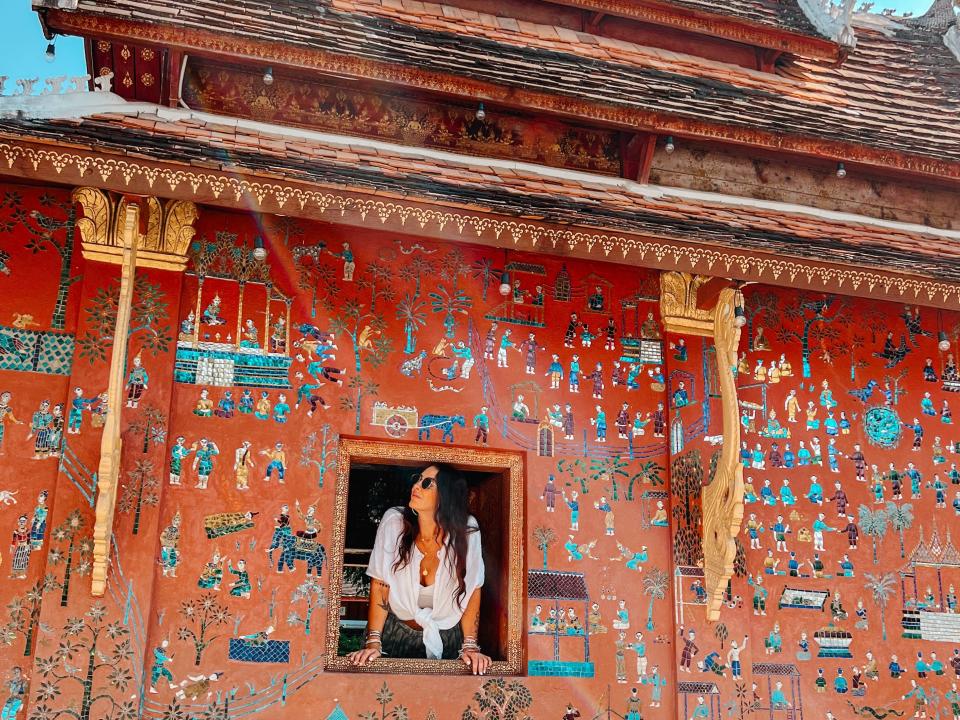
(832, 18)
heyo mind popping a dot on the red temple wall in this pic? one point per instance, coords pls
(145, 606)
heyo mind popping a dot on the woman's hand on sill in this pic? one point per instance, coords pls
(362, 657)
(476, 661)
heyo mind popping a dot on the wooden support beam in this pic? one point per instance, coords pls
(175, 60)
(592, 25)
(722, 499)
(108, 471)
(767, 59)
(636, 156)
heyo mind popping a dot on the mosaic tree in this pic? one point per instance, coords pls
(655, 584)
(740, 559)
(141, 490)
(686, 475)
(850, 349)
(415, 270)
(283, 226)
(320, 452)
(150, 426)
(45, 229)
(881, 588)
(649, 472)
(319, 279)
(148, 324)
(384, 697)
(201, 616)
(811, 314)
(500, 699)
(721, 633)
(97, 655)
(24, 613)
(897, 385)
(73, 552)
(484, 271)
(873, 523)
(576, 473)
(313, 596)
(410, 310)
(613, 471)
(448, 298)
(365, 329)
(872, 318)
(901, 519)
(544, 537)
(762, 307)
(377, 278)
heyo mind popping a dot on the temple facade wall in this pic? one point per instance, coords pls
(421, 347)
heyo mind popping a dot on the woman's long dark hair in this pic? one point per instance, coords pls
(452, 516)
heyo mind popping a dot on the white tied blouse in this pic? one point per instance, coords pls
(405, 583)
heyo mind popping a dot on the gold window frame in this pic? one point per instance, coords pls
(414, 454)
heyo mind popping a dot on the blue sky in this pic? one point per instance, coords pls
(22, 52)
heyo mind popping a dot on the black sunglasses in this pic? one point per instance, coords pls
(425, 483)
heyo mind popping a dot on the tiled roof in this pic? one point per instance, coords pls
(898, 91)
(777, 14)
(505, 188)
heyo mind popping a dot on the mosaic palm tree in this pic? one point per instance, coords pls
(655, 584)
(873, 523)
(881, 587)
(544, 537)
(901, 519)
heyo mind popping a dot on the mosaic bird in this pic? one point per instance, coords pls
(865, 393)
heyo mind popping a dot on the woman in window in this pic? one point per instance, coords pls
(426, 572)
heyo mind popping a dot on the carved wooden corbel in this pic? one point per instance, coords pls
(722, 499)
(164, 245)
(108, 471)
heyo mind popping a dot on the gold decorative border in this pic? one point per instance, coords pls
(230, 188)
(399, 452)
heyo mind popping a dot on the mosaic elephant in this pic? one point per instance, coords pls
(294, 548)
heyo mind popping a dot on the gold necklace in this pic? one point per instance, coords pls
(422, 541)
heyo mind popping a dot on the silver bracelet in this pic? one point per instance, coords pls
(468, 647)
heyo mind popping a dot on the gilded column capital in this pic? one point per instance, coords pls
(678, 304)
(163, 245)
